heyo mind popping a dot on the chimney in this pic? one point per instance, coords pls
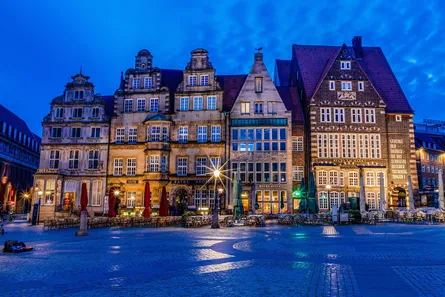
(357, 46)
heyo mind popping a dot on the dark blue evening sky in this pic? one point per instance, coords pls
(43, 42)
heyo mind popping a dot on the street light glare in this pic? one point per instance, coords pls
(216, 173)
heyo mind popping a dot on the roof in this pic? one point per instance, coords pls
(315, 61)
(16, 122)
(290, 98)
(144, 52)
(231, 85)
(283, 72)
(423, 139)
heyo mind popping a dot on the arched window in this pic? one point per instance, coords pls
(333, 178)
(353, 178)
(370, 200)
(370, 179)
(323, 200)
(322, 177)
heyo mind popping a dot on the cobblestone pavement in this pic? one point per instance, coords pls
(382, 260)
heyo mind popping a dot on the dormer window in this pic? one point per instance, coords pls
(136, 83)
(345, 65)
(258, 84)
(192, 80)
(77, 112)
(148, 82)
(204, 80)
(346, 86)
(78, 94)
(59, 113)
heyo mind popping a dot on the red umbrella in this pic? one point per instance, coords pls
(147, 201)
(84, 197)
(163, 210)
(111, 202)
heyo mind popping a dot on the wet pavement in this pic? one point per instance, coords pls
(360, 260)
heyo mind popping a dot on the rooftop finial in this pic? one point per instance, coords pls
(259, 49)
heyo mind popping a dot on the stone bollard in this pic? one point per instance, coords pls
(83, 231)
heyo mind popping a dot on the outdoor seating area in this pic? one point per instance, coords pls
(419, 216)
(121, 222)
(305, 219)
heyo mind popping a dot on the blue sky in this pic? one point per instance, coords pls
(44, 42)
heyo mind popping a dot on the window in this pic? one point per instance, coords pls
(96, 193)
(128, 105)
(93, 160)
(339, 115)
(192, 80)
(50, 188)
(215, 162)
(323, 200)
(211, 102)
(375, 146)
(95, 132)
(131, 199)
(297, 144)
(349, 145)
(258, 84)
(54, 159)
(136, 83)
(197, 103)
(56, 132)
(131, 166)
(353, 179)
(95, 112)
(154, 163)
(184, 103)
(346, 86)
(334, 198)
(341, 179)
(361, 86)
(201, 199)
(345, 65)
(370, 179)
(322, 177)
(163, 164)
(245, 107)
(141, 105)
(78, 94)
(333, 178)
(120, 134)
(75, 132)
(148, 82)
(204, 80)
(155, 135)
(59, 113)
(73, 161)
(271, 107)
(325, 115)
(201, 166)
(332, 85)
(297, 173)
(181, 166)
(132, 135)
(202, 134)
(258, 107)
(118, 165)
(154, 105)
(77, 112)
(370, 200)
(398, 118)
(423, 167)
(356, 115)
(369, 115)
(322, 142)
(183, 134)
(363, 143)
(216, 133)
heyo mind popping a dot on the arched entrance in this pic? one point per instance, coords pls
(399, 197)
(180, 201)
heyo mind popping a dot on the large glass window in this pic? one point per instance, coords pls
(131, 199)
(50, 188)
(96, 193)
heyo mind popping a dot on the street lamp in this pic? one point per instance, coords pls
(328, 188)
(215, 223)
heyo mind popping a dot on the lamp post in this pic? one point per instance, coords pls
(116, 194)
(328, 188)
(39, 193)
(215, 223)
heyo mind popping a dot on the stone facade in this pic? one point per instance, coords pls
(261, 139)
(74, 151)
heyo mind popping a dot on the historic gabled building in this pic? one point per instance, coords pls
(198, 136)
(358, 122)
(74, 150)
(140, 133)
(260, 128)
(19, 160)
